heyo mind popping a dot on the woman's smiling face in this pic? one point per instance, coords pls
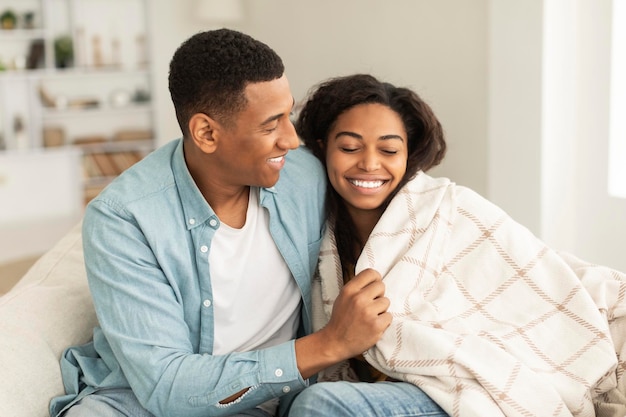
(366, 156)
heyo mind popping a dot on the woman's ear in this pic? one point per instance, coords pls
(321, 144)
(202, 132)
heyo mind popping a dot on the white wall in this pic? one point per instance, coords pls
(40, 200)
(439, 48)
(514, 117)
(601, 219)
(170, 23)
(548, 124)
(521, 88)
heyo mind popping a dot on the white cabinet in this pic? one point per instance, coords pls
(97, 100)
(40, 199)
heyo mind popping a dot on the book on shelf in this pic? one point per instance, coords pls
(90, 167)
(133, 134)
(90, 192)
(109, 164)
(89, 139)
(53, 136)
(124, 160)
(105, 164)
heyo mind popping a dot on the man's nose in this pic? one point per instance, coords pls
(289, 139)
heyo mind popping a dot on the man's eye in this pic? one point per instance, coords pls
(271, 128)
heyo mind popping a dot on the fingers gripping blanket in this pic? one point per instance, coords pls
(487, 320)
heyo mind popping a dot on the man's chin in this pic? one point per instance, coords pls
(268, 183)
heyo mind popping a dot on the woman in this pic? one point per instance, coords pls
(487, 320)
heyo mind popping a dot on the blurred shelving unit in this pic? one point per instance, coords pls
(74, 75)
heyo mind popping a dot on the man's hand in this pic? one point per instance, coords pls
(358, 320)
(359, 315)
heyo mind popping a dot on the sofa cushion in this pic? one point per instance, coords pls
(49, 309)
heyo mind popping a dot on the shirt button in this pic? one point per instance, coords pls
(207, 303)
(192, 221)
(204, 248)
(278, 372)
(213, 222)
(286, 389)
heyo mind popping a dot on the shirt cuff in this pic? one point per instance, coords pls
(279, 369)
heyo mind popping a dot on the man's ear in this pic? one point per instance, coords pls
(202, 131)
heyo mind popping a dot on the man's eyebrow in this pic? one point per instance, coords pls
(277, 116)
(271, 119)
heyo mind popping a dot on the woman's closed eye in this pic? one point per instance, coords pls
(348, 149)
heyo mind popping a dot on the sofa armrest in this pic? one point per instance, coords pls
(49, 309)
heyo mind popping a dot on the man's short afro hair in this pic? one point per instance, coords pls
(210, 71)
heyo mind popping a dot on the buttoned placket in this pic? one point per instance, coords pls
(203, 241)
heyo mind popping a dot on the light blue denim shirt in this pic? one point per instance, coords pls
(147, 239)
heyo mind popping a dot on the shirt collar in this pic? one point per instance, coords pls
(195, 207)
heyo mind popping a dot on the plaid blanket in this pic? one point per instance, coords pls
(487, 319)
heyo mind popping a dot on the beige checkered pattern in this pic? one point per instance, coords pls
(488, 320)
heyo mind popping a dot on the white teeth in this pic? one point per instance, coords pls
(277, 159)
(367, 184)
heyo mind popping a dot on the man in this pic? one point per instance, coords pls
(199, 258)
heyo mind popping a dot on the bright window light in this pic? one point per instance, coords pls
(617, 128)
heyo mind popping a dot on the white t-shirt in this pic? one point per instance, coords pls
(255, 299)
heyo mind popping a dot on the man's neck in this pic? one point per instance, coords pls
(229, 202)
(231, 209)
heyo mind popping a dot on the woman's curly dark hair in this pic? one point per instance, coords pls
(210, 71)
(326, 102)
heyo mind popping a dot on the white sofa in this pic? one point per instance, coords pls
(49, 309)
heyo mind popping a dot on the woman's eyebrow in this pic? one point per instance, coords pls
(357, 136)
(392, 136)
(348, 133)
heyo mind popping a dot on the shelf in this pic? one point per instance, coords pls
(100, 110)
(74, 72)
(21, 34)
(116, 146)
(101, 167)
(100, 107)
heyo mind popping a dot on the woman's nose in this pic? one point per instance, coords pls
(369, 162)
